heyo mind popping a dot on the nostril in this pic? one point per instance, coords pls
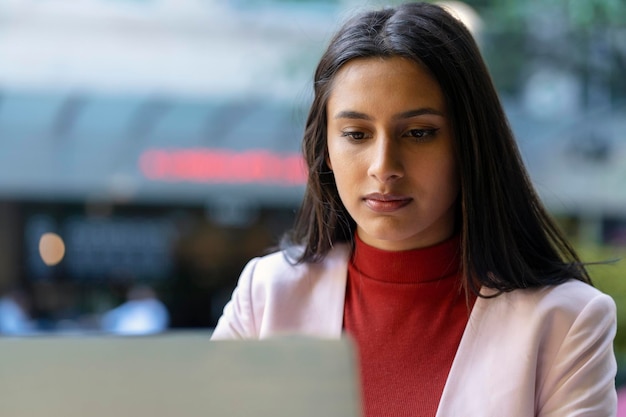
(387, 170)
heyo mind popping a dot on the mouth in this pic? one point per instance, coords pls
(386, 203)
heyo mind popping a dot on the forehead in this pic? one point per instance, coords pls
(385, 83)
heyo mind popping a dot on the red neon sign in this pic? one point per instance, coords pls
(205, 165)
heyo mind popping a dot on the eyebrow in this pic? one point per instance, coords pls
(351, 114)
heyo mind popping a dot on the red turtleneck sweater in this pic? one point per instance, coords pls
(407, 314)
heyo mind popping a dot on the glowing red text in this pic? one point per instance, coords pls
(223, 166)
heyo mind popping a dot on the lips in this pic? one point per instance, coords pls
(386, 203)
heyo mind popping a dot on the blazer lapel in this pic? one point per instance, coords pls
(490, 375)
(330, 291)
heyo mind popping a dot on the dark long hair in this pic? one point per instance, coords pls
(508, 239)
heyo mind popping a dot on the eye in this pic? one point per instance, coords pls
(354, 135)
(421, 133)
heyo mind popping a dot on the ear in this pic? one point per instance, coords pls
(327, 159)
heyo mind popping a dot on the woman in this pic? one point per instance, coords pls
(421, 237)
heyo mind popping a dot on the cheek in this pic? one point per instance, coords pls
(337, 160)
(346, 178)
(440, 178)
(452, 181)
(448, 170)
(348, 166)
(341, 175)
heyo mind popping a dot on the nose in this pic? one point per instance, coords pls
(385, 161)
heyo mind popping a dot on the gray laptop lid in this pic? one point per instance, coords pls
(176, 375)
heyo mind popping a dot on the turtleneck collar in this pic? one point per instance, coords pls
(409, 266)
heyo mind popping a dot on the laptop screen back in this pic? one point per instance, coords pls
(176, 375)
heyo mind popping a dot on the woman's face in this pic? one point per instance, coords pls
(390, 146)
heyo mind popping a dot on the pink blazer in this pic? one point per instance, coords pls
(541, 352)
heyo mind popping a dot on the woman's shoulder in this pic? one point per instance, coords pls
(275, 295)
(283, 263)
(570, 298)
(552, 316)
(573, 291)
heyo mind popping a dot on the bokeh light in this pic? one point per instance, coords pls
(51, 248)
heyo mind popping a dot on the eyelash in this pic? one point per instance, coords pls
(417, 134)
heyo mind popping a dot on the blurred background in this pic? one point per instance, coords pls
(149, 148)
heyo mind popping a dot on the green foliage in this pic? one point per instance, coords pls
(579, 14)
(583, 37)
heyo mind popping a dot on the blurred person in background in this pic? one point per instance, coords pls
(142, 313)
(421, 237)
(14, 316)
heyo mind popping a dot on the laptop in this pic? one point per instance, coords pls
(176, 375)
